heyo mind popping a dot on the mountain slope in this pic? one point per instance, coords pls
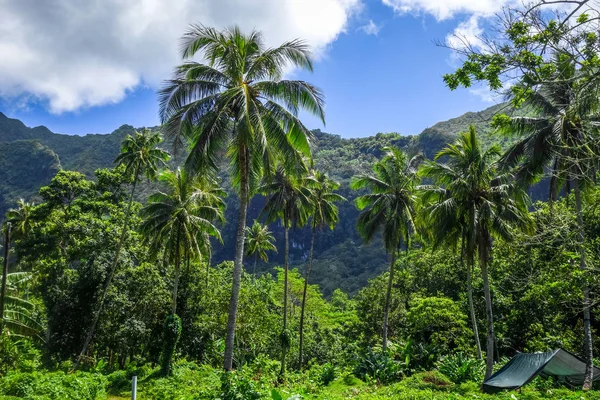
(341, 260)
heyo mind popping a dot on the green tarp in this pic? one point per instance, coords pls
(525, 366)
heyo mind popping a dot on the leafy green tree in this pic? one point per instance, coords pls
(238, 101)
(259, 240)
(324, 212)
(140, 156)
(181, 220)
(470, 185)
(550, 58)
(389, 207)
(561, 137)
(288, 200)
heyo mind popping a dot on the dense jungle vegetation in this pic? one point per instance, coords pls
(234, 254)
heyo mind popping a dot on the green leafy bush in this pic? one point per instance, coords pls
(327, 374)
(378, 366)
(54, 386)
(236, 387)
(460, 368)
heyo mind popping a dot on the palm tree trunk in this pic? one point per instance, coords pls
(470, 296)
(483, 264)
(284, 341)
(4, 274)
(255, 261)
(176, 280)
(111, 274)
(588, 346)
(388, 297)
(238, 262)
(307, 275)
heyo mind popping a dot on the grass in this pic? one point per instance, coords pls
(193, 382)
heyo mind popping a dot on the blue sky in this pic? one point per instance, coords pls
(385, 81)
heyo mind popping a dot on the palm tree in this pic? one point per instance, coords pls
(21, 218)
(470, 190)
(324, 213)
(259, 240)
(288, 199)
(238, 102)
(562, 138)
(181, 220)
(140, 156)
(445, 226)
(389, 208)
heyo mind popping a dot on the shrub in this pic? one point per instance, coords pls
(236, 387)
(460, 368)
(378, 366)
(327, 374)
(54, 386)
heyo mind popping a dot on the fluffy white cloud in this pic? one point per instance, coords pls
(444, 9)
(74, 53)
(466, 33)
(371, 28)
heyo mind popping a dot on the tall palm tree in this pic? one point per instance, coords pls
(140, 157)
(389, 207)
(288, 200)
(445, 226)
(21, 218)
(181, 220)
(324, 212)
(259, 240)
(238, 102)
(471, 191)
(562, 138)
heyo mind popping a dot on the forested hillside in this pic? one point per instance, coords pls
(341, 261)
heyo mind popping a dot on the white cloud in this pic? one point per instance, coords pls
(75, 54)
(466, 33)
(371, 28)
(445, 9)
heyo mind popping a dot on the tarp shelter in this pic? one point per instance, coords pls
(525, 366)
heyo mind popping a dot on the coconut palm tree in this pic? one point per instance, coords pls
(180, 221)
(259, 240)
(140, 157)
(238, 102)
(324, 212)
(288, 200)
(21, 218)
(482, 201)
(445, 226)
(561, 138)
(389, 207)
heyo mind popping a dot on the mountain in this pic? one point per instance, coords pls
(29, 158)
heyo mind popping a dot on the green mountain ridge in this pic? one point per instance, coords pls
(31, 156)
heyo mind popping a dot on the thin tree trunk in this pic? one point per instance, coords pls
(238, 262)
(4, 274)
(588, 350)
(388, 297)
(307, 275)
(208, 261)
(111, 274)
(255, 261)
(284, 345)
(483, 264)
(469, 268)
(176, 280)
